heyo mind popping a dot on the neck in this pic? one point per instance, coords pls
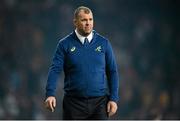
(83, 34)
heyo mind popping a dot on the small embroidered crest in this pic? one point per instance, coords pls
(98, 49)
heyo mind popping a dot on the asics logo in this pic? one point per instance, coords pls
(73, 49)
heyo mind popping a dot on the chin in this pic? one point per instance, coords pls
(88, 32)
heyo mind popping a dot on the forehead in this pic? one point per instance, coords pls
(84, 14)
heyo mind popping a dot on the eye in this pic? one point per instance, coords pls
(83, 20)
(90, 19)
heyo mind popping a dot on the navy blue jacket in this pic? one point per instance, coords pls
(90, 70)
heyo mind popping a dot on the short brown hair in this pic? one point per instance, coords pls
(85, 9)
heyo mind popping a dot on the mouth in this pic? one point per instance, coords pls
(87, 28)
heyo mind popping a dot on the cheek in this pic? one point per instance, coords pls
(80, 25)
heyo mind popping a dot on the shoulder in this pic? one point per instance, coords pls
(65, 39)
(102, 39)
(64, 42)
(99, 36)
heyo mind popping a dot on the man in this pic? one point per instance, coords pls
(91, 76)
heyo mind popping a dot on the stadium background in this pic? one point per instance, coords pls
(145, 35)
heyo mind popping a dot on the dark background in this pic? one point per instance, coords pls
(145, 35)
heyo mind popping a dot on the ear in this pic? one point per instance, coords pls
(75, 22)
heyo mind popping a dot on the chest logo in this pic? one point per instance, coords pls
(73, 49)
(98, 49)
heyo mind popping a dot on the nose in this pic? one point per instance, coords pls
(87, 23)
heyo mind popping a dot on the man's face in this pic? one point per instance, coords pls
(84, 23)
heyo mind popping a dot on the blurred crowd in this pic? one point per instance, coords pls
(145, 35)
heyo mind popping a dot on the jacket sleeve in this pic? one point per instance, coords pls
(54, 70)
(112, 73)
